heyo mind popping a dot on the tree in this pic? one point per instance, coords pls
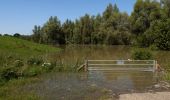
(166, 8)
(68, 29)
(145, 12)
(37, 32)
(52, 31)
(83, 30)
(86, 29)
(97, 20)
(143, 27)
(6, 34)
(17, 35)
(160, 33)
(115, 27)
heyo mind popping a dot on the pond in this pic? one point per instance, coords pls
(95, 85)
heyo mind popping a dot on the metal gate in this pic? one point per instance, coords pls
(120, 65)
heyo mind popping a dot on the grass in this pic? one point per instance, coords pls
(12, 90)
(23, 48)
(167, 77)
(20, 62)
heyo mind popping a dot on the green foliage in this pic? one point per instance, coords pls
(37, 32)
(144, 13)
(32, 71)
(7, 73)
(17, 35)
(35, 61)
(147, 26)
(12, 90)
(150, 23)
(158, 35)
(23, 48)
(163, 35)
(50, 33)
(48, 66)
(68, 29)
(18, 63)
(21, 58)
(112, 28)
(166, 76)
(142, 55)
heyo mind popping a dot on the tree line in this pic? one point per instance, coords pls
(147, 26)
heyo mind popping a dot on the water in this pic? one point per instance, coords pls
(94, 85)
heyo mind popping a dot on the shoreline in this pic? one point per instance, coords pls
(145, 96)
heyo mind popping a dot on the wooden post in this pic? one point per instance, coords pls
(155, 66)
(86, 66)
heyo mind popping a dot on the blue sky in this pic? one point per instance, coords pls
(20, 16)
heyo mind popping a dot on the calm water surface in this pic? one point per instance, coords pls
(95, 85)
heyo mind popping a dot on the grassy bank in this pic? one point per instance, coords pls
(20, 62)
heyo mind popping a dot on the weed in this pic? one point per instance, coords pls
(140, 54)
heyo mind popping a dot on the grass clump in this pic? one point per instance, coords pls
(167, 76)
(35, 61)
(141, 54)
(8, 73)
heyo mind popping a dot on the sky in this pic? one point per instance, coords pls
(20, 16)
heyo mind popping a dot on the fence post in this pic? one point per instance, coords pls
(86, 66)
(155, 66)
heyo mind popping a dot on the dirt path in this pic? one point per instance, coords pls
(146, 96)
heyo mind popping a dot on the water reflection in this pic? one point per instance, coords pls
(120, 81)
(93, 84)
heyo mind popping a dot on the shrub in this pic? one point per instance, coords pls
(34, 61)
(167, 76)
(48, 66)
(2, 81)
(32, 71)
(142, 55)
(18, 63)
(9, 73)
(17, 35)
(153, 47)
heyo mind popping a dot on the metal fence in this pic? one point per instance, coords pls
(124, 65)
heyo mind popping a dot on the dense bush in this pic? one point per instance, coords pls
(163, 35)
(142, 55)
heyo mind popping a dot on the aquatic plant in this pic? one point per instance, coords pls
(141, 54)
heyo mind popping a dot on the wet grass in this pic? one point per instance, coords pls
(12, 90)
